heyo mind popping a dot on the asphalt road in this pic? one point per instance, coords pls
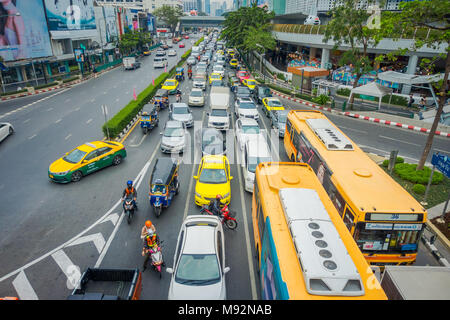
(49, 233)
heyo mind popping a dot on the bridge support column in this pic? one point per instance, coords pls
(411, 69)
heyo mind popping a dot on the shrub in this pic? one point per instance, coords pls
(51, 84)
(343, 92)
(281, 76)
(70, 79)
(397, 160)
(14, 92)
(419, 189)
(407, 171)
(322, 99)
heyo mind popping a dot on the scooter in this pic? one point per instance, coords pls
(129, 208)
(226, 215)
(190, 75)
(157, 258)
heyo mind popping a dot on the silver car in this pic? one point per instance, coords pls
(199, 262)
(196, 97)
(6, 129)
(191, 61)
(180, 112)
(174, 137)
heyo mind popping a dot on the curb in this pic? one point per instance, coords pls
(57, 87)
(358, 116)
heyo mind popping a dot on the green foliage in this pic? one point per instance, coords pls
(51, 84)
(419, 189)
(70, 79)
(322, 99)
(13, 92)
(133, 40)
(249, 29)
(407, 171)
(397, 160)
(170, 15)
(343, 92)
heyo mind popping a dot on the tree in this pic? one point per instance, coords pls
(433, 15)
(170, 15)
(132, 40)
(349, 26)
(248, 26)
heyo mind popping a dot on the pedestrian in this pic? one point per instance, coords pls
(423, 104)
(411, 101)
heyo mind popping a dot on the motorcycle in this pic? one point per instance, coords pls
(190, 75)
(156, 257)
(226, 215)
(129, 208)
(178, 97)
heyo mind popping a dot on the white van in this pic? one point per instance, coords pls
(160, 62)
(256, 150)
(219, 102)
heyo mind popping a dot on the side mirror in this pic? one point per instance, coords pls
(161, 133)
(225, 270)
(231, 178)
(169, 270)
(207, 114)
(195, 177)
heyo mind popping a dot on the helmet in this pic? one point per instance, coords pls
(148, 223)
(129, 183)
(218, 196)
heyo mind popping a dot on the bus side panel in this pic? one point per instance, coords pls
(272, 285)
(288, 144)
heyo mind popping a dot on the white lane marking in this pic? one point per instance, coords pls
(58, 121)
(89, 121)
(32, 137)
(23, 287)
(140, 142)
(27, 120)
(113, 217)
(92, 100)
(442, 151)
(137, 183)
(31, 104)
(356, 130)
(68, 268)
(77, 109)
(246, 229)
(96, 238)
(406, 142)
(68, 136)
(117, 99)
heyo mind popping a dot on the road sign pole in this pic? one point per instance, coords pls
(105, 113)
(445, 206)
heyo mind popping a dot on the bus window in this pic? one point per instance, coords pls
(349, 217)
(259, 215)
(288, 126)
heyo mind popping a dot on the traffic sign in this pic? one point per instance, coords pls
(442, 163)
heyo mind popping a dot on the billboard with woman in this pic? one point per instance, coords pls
(23, 30)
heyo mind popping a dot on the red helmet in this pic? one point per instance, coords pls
(218, 196)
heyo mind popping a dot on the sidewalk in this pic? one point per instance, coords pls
(378, 117)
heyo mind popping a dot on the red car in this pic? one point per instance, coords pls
(242, 75)
(186, 37)
(181, 45)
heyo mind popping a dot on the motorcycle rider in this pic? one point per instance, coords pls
(214, 206)
(151, 241)
(189, 71)
(130, 190)
(147, 228)
(178, 96)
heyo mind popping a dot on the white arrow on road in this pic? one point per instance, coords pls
(97, 238)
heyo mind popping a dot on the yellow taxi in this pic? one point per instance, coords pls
(170, 85)
(214, 76)
(270, 104)
(146, 52)
(233, 63)
(250, 83)
(213, 178)
(230, 51)
(85, 159)
(220, 52)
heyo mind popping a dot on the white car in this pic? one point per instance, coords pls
(191, 60)
(244, 128)
(217, 68)
(199, 262)
(6, 129)
(196, 97)
(160, 62)
(171, 53)
(245, 108)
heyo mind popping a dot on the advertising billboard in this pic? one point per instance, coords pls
(111, 26)
(23, 30)
(70, 18)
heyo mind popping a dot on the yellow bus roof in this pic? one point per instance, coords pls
(270, 178)
(372, 189)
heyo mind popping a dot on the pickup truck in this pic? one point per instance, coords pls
(130, 63)
(108, 284)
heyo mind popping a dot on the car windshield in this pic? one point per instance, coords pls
(75, 156)
(249, 129)
(274, 103)
(251, 82)
(198, 269)
(180, 110)
(219, 113)
(247, 105)
(243, 90)
(157, 60)
(254, 161)
(282, 118)
(215, 176)
(160, 188)
(173, 132)
(215, 76)
(196, 93)
(170, 83)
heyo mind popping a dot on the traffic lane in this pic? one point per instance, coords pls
(34, 187)
(382, 138)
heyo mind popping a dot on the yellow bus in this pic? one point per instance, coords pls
(384, 219)
(304, 249)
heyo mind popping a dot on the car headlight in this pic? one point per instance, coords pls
(198, 194)
(226, 195)
(60, 173)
